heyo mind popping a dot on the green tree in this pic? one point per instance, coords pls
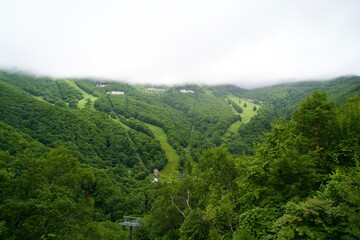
(46, 197)
(88, 103)
(315, 120)
(73, 103)
(348, 136)
(331, 214)
(194, 226)
(237, 107)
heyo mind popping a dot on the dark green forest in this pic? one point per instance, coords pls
(75, 158)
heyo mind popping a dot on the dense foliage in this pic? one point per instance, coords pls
(302, 183)
(72, 171)
(281, 101)
(186, 118)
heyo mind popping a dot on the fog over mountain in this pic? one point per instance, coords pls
(247, 43)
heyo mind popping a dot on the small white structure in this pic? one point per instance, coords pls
(155, 180)
(116, 92)
(100, 85)
(156, 173)
(155, 89)
(248, 99)
(186, 91)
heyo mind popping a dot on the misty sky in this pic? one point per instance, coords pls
(248, 43)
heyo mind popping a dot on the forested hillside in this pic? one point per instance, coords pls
(76, 155)
(280, 101)
(302, 183)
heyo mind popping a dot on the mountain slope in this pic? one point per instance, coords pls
(72, 171)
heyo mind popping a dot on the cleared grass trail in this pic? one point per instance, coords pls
(127, 128)
(170, 172)
(246, 115)
(86, 95)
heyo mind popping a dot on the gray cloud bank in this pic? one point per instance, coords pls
(248, 43)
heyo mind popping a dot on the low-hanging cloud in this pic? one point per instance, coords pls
(248, 43)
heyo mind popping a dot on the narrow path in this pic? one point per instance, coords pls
(127, 128)
(82, 104)
(170, 172)
(86, 95)
(188, 147)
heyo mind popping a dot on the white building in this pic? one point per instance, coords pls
(116, 92)
(155, 89)
(186, 91)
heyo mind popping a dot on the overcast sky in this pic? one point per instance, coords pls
(248, 43)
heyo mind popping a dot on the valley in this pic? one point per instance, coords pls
(75, 159)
